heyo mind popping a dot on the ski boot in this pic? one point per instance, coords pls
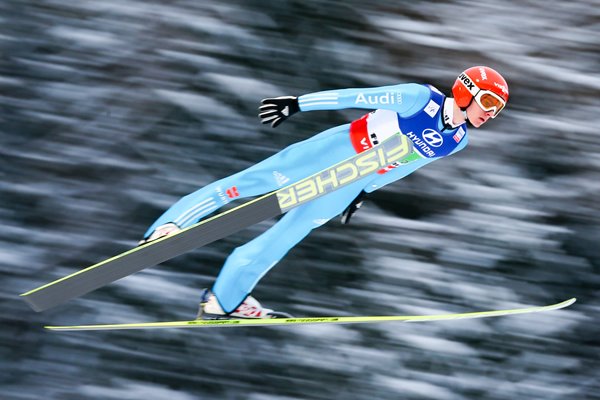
(250, 308)
(160, 231)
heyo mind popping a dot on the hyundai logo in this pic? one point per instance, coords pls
(433, 138)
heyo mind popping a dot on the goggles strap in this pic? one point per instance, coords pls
(469, 84)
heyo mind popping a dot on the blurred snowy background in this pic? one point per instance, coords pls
(112, 110)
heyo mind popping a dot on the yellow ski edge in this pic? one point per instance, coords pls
(311, 320)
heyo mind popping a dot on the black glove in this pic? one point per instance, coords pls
(353, 207)
(276, 110)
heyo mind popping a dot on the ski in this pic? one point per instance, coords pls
(394, 149)
(310, 320)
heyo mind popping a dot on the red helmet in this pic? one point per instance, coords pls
(485, 85)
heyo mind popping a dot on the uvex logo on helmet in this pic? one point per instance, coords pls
(483, 73)
(464, 78)
(475, 80)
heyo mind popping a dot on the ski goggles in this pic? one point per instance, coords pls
(490, 101)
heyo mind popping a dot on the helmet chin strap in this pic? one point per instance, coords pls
(467, 118)
(448, 121)
(464, 111)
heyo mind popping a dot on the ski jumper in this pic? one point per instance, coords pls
(417, 111)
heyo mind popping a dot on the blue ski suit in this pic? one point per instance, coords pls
(417, 111)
